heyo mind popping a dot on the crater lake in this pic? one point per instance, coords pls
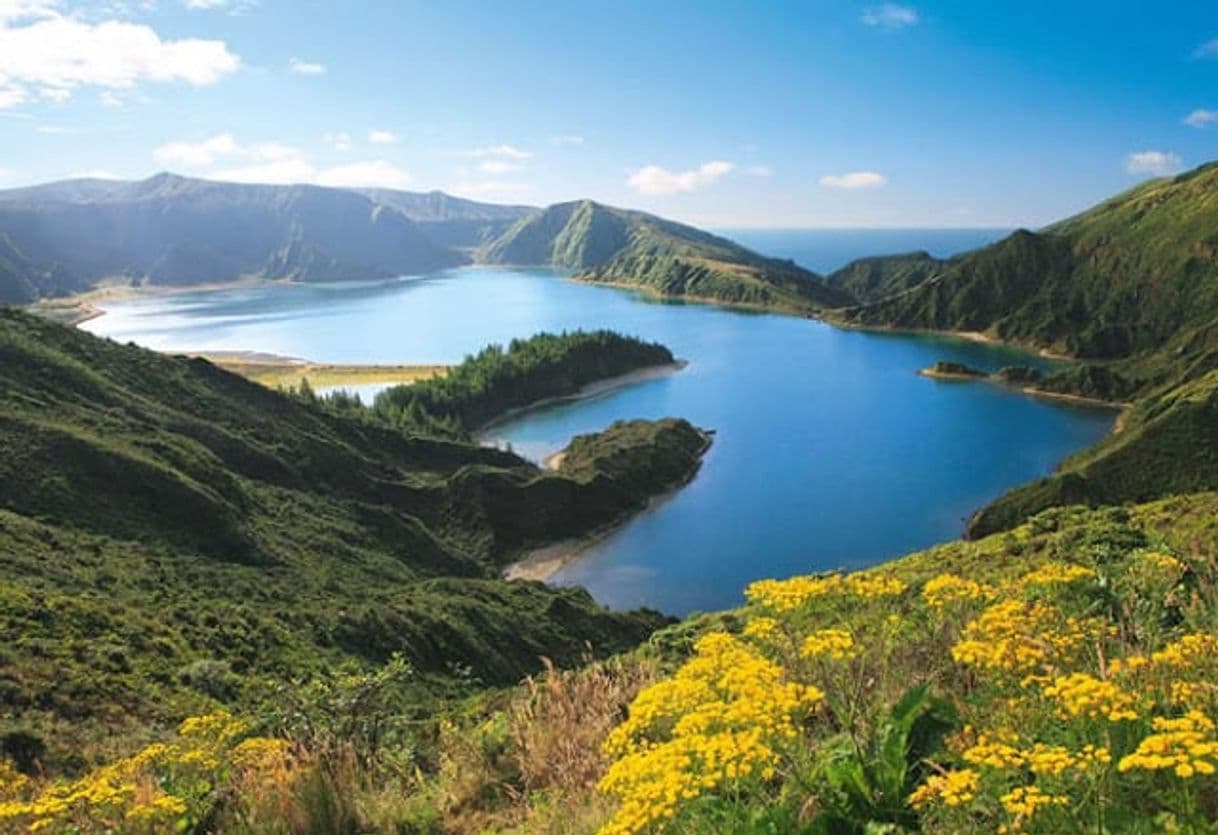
(830, 450)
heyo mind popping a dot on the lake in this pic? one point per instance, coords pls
(830, 450)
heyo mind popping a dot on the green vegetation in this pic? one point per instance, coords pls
(953, 370)
(174, 537)
(497, 380)
(869, 279)
(615, 246)
(644, 456)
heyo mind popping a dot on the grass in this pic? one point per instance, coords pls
(290, 374)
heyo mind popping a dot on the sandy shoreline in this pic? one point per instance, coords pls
(944, 375)
(543, 563)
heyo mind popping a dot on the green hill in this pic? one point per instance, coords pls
(173, 536)
(615, 246)
(1117, 281)
(869, 279)
(1130, 288)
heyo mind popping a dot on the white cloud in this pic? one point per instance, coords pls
(373, 174)
(1156, 163)
(338, 140)
(53, 130)
(566, 139)
(498, 166)
(223, 146)
(890, 16)
(853, 180)
(277, 172)
(197, 154)
(235, 7)
(1209, 49)
(500, 151)
(109, 98)
(652, 179)
(1201, 118)
(382, 137)
(300, 67)
(96, 174)
(759, 170)
(222, 157)
(11, 96)
(54, 53)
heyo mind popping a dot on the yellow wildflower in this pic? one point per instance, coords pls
(1025, 801)
(1187, 651)
(874, 585)
(953, 788)
(1016, 637)
(762, 629)
(722, 717)
(1055, 573)
(1186, 745)
(1080, 694)
(786, 595)
(949, 589)
(837, 644)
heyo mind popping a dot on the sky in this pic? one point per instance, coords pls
(933, 113)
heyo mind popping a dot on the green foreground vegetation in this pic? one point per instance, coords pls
(174, 538)
(1056, 678)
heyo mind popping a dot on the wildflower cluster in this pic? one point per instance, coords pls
(1081, 694)
(1186, 745)
(1072, 692)
(161, 787)
(782, 596)
(835, 644)
(1018, 637)
(952, 788)
(722, 718)
(949, 590)
(1052, 573)
(1024, 802)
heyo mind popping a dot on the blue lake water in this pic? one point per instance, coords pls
(830, 450)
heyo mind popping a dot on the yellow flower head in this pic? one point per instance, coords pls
(836, 644)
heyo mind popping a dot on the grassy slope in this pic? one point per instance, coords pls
(609, 245)
(171, 533)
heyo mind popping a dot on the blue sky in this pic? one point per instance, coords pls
(801, 114)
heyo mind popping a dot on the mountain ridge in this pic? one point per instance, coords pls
(605, 244)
